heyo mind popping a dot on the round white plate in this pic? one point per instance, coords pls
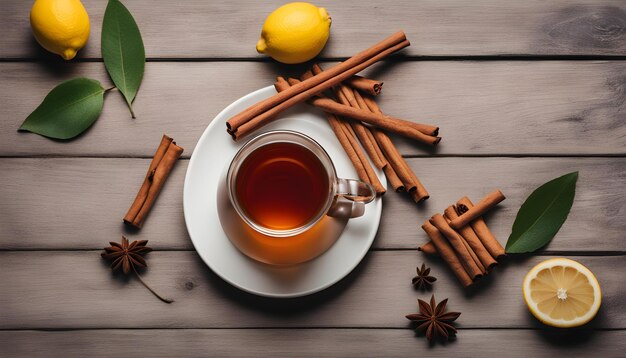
(213, 153)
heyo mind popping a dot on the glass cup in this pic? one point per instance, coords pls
(344, 199)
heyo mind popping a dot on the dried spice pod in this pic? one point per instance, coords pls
(423, 279)
(127, 257)
(433, 319)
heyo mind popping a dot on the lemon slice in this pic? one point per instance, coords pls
(562, 293)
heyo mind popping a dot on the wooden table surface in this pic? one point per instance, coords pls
(524, 91)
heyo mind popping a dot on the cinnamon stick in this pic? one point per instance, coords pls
(347, 141)
(482, 231)
(395, 125)
(492, 199)
(389, 149)
(457, 243)
(428, 248)
(447, 253)
(159, 169)
(487, 261)
(352, 97)
(406, 174)
(372, 176)
(393, 178)
(264, 111)
(426, 129)
(360, 83)
(469, 248)
(362, 105)
(346, 97)
(365, 85)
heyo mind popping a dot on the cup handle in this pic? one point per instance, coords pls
(356, 194)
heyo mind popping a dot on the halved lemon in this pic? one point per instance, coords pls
(562, 293)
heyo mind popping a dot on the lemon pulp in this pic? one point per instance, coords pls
(562, 293)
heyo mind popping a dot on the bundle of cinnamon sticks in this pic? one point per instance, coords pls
(353, 115)
(462, 239)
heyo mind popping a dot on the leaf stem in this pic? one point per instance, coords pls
(166, 300)
(109, 89)
(130, 108)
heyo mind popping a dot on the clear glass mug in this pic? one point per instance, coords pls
(346, 198)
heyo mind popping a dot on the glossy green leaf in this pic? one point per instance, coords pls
(68, 110)
(122, 50)
(542, 214)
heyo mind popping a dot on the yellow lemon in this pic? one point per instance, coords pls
(562, 293)
(295, 32)
(60, 26)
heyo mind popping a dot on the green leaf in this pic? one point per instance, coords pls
(68, 110)
(542, 214)
(122, 50)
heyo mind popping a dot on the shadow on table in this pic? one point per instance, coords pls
(283, 307)
(53, 64)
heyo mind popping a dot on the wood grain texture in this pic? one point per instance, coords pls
(78, 203)
(206, 29)
(309, 343)
(77, 290)
(483, 108)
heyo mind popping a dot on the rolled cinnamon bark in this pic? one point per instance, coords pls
(492, 199)
(346, 97)
(480, 265)
(457, 243)
(370, 130)
(364, 116)
(372, 176)
(335, 124)
(487, 261)
(306, 75)
(406, 174)
(447, 254)
(482, 231)
(393, 179)
(360, 83)
(263, 112)
(365, 85)
(428, 248)
(389, 149)
(160, 167)
(354, 153)
(395, 125)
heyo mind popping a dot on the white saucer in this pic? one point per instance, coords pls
(213, 153)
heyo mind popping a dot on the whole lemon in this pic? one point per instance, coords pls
(60, 26)
(295, 32)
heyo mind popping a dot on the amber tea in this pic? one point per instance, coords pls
(282, 186)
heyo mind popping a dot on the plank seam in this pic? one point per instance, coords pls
(543, 253)
(282, 328)
(395, 58)
(408, 156)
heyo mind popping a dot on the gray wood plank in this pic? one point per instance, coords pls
(483, 108)
(63, 290)
(206, 29)
(308, 343)
(78, 203)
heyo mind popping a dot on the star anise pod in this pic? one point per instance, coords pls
(433, 319)
(128, 256)
(423, 279)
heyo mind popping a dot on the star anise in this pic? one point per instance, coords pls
(423, 279)
(128, 257)
(433, 319)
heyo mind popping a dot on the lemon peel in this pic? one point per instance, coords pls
(60, 26)
(295, 33)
